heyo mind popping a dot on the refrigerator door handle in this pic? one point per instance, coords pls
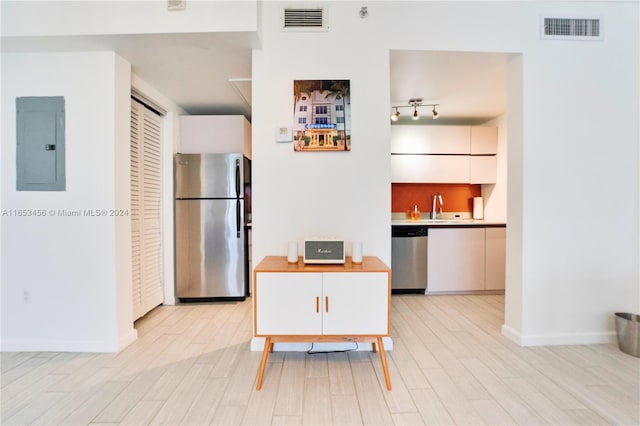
(238, 216)
(237, 178)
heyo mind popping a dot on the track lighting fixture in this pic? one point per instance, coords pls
(414, 103)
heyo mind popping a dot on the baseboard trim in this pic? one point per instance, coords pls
(512, 334)
(127, 339)
(599, 338)
(257, 344)
(9, 345)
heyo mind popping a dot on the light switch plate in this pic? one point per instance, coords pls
(283, 134)
(173, 5)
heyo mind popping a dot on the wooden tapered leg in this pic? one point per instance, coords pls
(385, 368)
(373, 347)
(268, 346)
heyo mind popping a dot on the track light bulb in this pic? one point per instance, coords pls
(435, 113)
(415, 115)
(395, 115)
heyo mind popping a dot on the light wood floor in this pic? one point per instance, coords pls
(450, 365)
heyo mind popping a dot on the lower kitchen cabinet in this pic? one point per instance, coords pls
(466, 259)
(495, 256)
(317, 303)
(455, 259)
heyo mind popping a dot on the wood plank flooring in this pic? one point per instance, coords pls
(192, 365)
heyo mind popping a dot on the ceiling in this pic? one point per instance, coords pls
(469, 87)
(203, 73)
(210, 73)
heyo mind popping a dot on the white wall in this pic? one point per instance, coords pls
(77, 270)
(580, 150)
(572, 136)
(301, 194)
(61, 281)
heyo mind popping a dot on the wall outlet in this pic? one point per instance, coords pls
(26, 296)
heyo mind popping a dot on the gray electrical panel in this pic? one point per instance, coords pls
(40, 159)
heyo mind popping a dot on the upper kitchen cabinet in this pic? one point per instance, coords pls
(413, 168)
(484, 140)
(408, 139)
(215, 134)
(483, 169)
(444, 154)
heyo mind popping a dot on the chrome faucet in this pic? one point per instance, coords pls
(436, 197)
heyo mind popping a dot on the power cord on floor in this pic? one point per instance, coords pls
(312, 352)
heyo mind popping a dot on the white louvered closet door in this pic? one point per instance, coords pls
(146, 232)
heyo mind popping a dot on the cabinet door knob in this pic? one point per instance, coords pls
(317, 304)
(326, 303)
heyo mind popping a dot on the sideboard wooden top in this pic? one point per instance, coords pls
(280, 264)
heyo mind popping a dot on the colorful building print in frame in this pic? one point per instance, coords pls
(321, 115)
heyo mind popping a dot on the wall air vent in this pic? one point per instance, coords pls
(304, 19)
(565, 28)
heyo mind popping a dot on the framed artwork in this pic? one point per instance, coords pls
(321, 115)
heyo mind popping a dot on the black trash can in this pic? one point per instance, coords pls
(628, 332)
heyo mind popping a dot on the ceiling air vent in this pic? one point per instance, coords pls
(304, 19)
(564, 28)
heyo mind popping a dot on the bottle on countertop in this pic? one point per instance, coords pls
(415, 214)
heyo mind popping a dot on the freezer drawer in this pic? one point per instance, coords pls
(209, 175)
(209, 249)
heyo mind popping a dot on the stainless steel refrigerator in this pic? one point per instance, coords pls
(209, 226)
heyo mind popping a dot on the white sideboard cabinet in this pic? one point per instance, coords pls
(318, 303)
(322, 303)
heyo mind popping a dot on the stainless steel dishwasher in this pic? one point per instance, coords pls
(409, 258)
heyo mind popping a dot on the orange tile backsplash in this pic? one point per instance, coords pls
(456, 197)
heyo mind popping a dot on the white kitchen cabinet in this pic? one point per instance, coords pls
(484, 140)
(214, 134)
(483, 169)
(430, 168)
(443, 154)
(495, 255)
(318, 303)
(408, 139)
(455, 259)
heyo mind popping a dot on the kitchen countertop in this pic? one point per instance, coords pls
(448, 222)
